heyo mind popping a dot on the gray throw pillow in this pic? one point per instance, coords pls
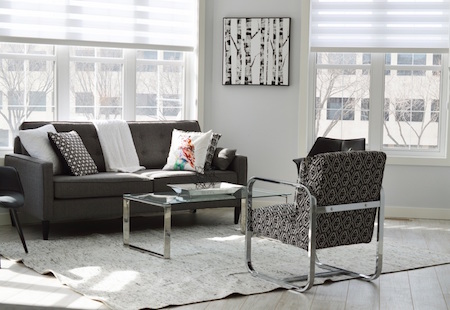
(223, 158)
(73, 152)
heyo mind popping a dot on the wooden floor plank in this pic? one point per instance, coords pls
(330, 296)
(294, 300)
(419, 289)
(262, 301)
(395, 292)
(443, 274)
(363, 295)
(426, 290)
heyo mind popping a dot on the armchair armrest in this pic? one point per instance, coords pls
(37, 181)
(251, 182)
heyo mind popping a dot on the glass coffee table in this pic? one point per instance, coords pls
(170, 200)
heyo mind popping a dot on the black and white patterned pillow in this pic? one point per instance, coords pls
(211, 150)
(74, 153)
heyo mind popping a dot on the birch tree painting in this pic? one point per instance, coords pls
(256, 51)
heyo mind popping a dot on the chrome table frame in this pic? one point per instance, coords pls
(166, 201)
(312, 256)
(166, 234)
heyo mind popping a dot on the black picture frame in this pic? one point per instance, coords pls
(256, 51)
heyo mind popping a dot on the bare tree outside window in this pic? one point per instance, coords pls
(339, 92)
(26, 85)
(160, 85)
(96, 78)
(411, 98)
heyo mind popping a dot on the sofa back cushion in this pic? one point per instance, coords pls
(86, 131)
(151, 139)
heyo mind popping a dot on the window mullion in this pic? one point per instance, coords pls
(63, 83)
(376, 106)
(129, 85)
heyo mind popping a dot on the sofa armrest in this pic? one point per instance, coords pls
(239, 165)
(37, 181)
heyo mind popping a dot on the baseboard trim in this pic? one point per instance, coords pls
(390, 212)
(417, 213)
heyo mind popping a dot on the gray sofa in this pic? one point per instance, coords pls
(58, 198)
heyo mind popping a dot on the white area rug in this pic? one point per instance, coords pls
(208, 262)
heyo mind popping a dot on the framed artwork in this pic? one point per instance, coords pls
(256, 51)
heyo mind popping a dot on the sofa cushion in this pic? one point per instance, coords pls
(163, 177)
(223, 158)
(103, 184)
(72, 150)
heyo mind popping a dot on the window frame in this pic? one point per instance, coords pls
(61, 94)
(376, 116)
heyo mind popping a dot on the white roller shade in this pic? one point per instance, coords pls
(149, 24)
(383, 25)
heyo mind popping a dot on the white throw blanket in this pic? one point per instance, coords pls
(117, 145)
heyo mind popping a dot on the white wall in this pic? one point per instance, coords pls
(264, 122)
(260, 121)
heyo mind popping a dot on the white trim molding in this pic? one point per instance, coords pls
(417, 213)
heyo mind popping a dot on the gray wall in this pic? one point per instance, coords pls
(263, 122)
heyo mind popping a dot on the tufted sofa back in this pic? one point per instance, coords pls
(151, 139)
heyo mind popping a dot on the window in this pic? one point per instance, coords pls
(340, 109)
(95, 85)
(146, 105)
(435, 111)
(101, 76)
(410, 100)
(409, 110)
(342, 99)
(81, 62)
(38, 100)
(160, 85)
(411, 59)
(411, 93)
(365, 109)
(84, 104)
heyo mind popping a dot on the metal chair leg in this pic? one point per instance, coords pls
(14, 216)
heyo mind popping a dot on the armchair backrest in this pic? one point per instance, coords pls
(342, 178)
(10, 180)
(326, 145)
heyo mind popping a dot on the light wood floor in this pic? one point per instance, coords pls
(427, 288)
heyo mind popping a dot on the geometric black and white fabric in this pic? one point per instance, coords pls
(211, 150)
(333, 178)
(74, 153)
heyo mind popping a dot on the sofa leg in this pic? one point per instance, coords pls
(237, 213)
(45, 229)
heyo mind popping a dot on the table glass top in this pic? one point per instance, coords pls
(171, 198)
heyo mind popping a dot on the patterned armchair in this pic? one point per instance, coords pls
(338, 197)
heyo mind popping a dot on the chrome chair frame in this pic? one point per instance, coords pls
(312, 255)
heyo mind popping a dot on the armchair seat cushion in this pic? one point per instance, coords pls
(282, 222)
